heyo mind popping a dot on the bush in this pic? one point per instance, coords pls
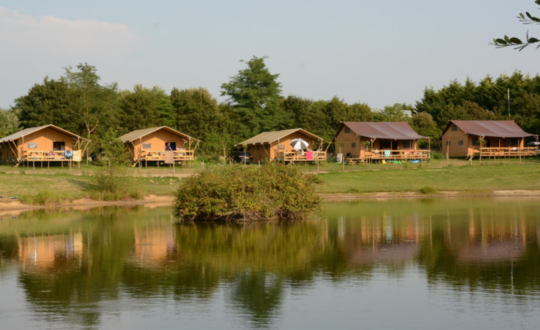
(427, 190)
(44, 198)
(113, 183)
(248, 193)
(437, 155)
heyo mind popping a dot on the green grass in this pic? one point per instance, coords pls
(43, 189)
(56, 184)
(454, 178)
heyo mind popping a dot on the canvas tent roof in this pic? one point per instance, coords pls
(491, 128)
(31, 130)
(383, 130)
(269, 137)
(131, 136)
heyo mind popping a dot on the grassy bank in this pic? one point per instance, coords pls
(42, 189)
(55, 185)
(429, 180)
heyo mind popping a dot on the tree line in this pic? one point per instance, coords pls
(80, 103)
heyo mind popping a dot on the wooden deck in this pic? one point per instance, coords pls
(32, 156)
(316, 156)
(159, 156)
(398, 155)
(515, 152)
(43, 155)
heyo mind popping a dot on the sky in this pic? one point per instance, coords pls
(375, 52)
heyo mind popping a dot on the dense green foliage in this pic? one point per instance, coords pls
(255, 95)
(486, 100)
(247, 193)
(78, 102)
(9, 122)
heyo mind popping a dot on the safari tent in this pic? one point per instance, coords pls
(276, 145)
(503, 138)
(385, 141)
(43, 144)
(149, 145)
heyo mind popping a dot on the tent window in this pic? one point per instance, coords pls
(354, 145)
(454, 128)
(460, 142)
(347, 129)
(514, 142)
(475, 142)
(386, 144)
(258, 147)
(59, 146)
(32, 145)
(407, 144)
(267, 147)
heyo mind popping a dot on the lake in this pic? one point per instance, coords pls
(371, 264)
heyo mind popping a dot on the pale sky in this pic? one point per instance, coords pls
(376, 52)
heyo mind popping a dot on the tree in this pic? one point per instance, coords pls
(467, 111)
(91, 103)
(424, 125)
(516, 42)
(394, 113)
(139, 109)
(528, 114)
(255, 95)
(9, 122)
(359, 112)
(165, 108)
(113, 149)
(47, 103)
(337, 111)
(196, 111)
(298, 110)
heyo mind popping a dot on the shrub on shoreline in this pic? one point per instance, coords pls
(248, 193)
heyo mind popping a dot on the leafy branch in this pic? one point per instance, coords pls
(516, 42)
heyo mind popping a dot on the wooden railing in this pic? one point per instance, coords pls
(397, 154)
(293, 156)
(179, 155)
(507, 151)
(32, 155)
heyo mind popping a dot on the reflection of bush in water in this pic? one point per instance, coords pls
(276, 247)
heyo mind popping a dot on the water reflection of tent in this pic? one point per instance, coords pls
(384, 253)
(493, 251)
(154, 246)
(42, 252)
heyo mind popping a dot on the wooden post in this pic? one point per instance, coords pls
(317, 166)
(203, 165)
(447, 151)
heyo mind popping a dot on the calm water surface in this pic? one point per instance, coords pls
(396, 264)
